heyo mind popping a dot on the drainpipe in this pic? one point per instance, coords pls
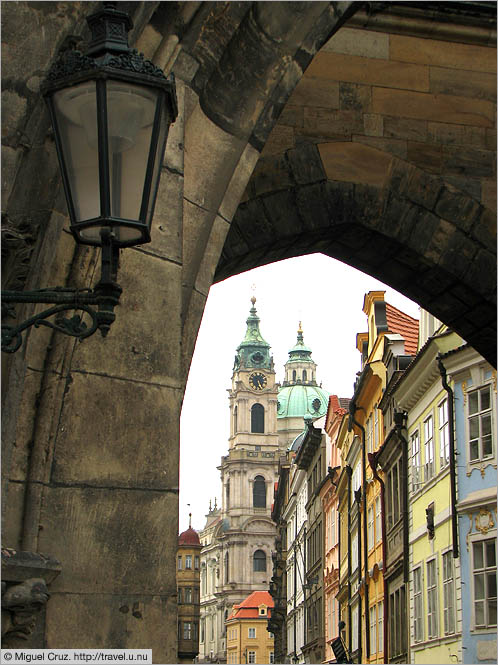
(357, 497)
(349, 471)
(372, 458)
(352, 420)
(295, 583)
(400, 418)
(454, 517)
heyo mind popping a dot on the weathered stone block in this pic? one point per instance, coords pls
(470, 186)
(327, 122)
(272, 174)
(315, 92)
(440, 132)
(488, 194)
(326, 65)
(114, 621)
(392, 146)
(478, 85)
(353, 162)
(238, 183)
(482, 272)
(373, 125)
(425, 227)
(455, 249)
(125, 540)
(13, 110)
(484, 229)
(166, 228)
(405, 128)
(9, 168)
(359, 42)
(442, 53)
(398, 218)
(292, 116)
(355, 97)
(211, 255)
(468, 161)
(281, 211)
(426, 156)
(306, 164)
(456, 207)
(281, 139)
(312, 206)
(438, 108)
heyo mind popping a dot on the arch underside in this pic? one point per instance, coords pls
(395, 232)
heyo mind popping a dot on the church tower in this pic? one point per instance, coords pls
(236, 559)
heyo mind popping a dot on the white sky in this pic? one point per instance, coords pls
(326, 295)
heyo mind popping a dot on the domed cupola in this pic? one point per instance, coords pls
(300, 395)
(253, 352)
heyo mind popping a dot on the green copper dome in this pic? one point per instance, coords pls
(297, 401)
(253, 351)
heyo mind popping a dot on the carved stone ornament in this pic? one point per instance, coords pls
(21, 603)
(484, 521)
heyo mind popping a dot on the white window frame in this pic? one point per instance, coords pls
(188, 562)
(429, 463)
(373, 629)
(485, 570)
(354, 550)
(478, 416)
(249, 631)
(380, 623)
(444, 433)
(418, 604)
(369, 433)
(371, 535)
(449, 613)
(376, 428)
(432, 598)
(251, 656)
(354, 628)
(378, 524)
(416, 461)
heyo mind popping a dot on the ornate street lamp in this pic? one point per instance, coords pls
(111, 110)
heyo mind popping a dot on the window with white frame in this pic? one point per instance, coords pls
(373, 629)
(377, 427)
(418, 606)
(378, 527)
(370, 527)
(393, 508)
(448, 593)
(429, 448)
(484, 581)
(202, 630)
(354, 550)
(356, 478)
(369, 434)
(380, 631)
(333, 538)
(432, 600)
(416, 479)
(444, 433)
(187, 630)
(251, 656)
(179, 563)
(188, 562)
(354, 628)
(397, 628)
(272, 657)
(188, 595)
(480, 429)
(252, 633)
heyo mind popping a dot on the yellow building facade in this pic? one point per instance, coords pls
(247, 637)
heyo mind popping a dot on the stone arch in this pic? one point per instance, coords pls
(380, 214)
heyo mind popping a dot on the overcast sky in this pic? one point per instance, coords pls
(326, 295)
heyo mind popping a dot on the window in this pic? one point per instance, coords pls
(251, 656)
(356, 479)
(354, 628)
(432, 602)
(376, 431)
(195, 595)
(369, 434)
(380, 630)
(304, 375)
(480, 431)
(415, 440)
(259, 492)
(429, 448)
(258, 419)
(187, 630)
(418, 617)
(202, 630)
(448, 594)
(444, 434)
(252, 633)
(179, 563)
(188, 595)
(484, 577)
(370, 527)
(393, 494)
(204, 581)
(397, 620)
(235, 421)
(259, 561)
(227, 493)
(272, 657)
(294, 374)
(180, 596)
(354, 550)
(373, 630)
(196, 563)
(195, 631)
(332, 535)
(378, 526)
(188, 562)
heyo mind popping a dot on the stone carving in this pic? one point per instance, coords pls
(21, 603)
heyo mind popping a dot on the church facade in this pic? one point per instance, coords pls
(265, 417)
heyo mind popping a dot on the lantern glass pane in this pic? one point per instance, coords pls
(130, 112)
(158, 162)
(76, 113)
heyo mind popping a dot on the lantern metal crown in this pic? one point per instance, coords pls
(111, 110)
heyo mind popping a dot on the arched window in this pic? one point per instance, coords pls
(294, 375)
(259, 492)
(305, 376)
(228, 494)
(258, 419)
(259, 561)
(235, 420)
(226, 566)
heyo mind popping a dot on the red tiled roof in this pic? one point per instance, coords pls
(249, 607)
(404, 325)
(189, 537)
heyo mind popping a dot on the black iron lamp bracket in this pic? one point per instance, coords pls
(97, 303)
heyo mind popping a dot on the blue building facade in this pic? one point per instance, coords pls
(473, 382)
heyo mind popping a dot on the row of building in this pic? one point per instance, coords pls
(386, 507)
(380, 543)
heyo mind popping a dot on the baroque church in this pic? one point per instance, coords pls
(239, 536)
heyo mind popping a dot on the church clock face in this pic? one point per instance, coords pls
(257, 381)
